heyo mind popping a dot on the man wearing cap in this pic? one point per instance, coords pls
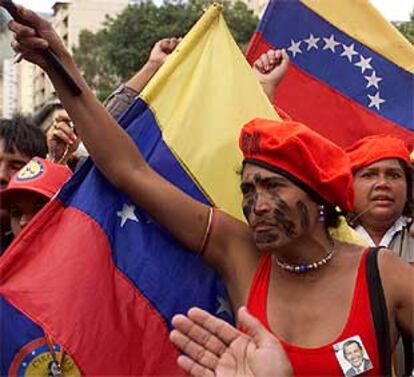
(309, 289)
(383, 207)
(30, 189)
(19, 142)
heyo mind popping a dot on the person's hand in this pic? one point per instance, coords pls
(215, 348)
(270, 69)
(62, 140)
(162, 49)
(32, 44)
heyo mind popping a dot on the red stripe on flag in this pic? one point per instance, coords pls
(82, 300)
(321, 107)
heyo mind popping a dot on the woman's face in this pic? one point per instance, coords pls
(277, 210)
(380, 191)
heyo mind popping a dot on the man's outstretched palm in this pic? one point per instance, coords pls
(215, 348)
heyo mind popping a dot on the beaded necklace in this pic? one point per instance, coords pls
(303, 268)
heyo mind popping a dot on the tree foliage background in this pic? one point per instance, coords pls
(407, 28)
(122, 46)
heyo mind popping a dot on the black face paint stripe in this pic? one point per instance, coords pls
(248, 206)
(287, 225)
(266, 238)
(304, 214)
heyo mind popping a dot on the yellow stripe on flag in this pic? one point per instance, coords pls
(360, 20)
(201, 97)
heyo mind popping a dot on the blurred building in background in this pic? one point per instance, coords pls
(9, 92)
(69, 19)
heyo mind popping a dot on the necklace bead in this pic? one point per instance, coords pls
(303, 268)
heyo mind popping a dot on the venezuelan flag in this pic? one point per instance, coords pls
(93, 270)
(352, 72)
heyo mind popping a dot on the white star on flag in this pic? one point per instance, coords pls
(349, 51)
(330, 43)
(126, 214)
(224, 306)
(375, 101)
(364, 64)
(373, 80)
(295, 47)
(312, 42)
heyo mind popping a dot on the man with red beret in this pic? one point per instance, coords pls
(30, 189)
(314, 292)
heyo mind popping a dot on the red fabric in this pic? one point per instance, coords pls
(38, 175)
(113, 303)
(321, 361)
(375, 148)
(324, 109)
(296, 149)
(283, 114)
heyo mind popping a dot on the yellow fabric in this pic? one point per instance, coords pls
(412, 156)
(360, 20)
(345, 233)
(201, 97)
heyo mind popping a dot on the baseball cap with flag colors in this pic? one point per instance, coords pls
(309, 160)
(38, 175)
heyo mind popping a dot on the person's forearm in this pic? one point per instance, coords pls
(124, 96)
(93, 123)
(143, 76)
(269, 91)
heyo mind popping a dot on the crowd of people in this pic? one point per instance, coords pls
(307, 303)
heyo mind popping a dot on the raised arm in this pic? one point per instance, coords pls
(112, 150)
(122, 98)
(270, 69)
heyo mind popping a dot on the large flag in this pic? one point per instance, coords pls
(351, 72)
(93, 270)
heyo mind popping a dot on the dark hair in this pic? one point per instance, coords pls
(331, 215)
(348, 343)
(21, 135)
(409, 204)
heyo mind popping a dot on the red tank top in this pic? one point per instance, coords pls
(321, 361)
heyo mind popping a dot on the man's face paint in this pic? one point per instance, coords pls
(276, 209)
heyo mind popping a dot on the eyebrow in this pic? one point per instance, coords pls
(251, 178)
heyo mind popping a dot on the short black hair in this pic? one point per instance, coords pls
(21, 135)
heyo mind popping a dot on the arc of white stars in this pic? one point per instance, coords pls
(330, 43)
(312, 42)
(295, 47)
(349, 51)
(373, 80)
(364, 64)
(375, 101)
(127, 213)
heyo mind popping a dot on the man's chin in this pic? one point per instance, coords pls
(267, 243)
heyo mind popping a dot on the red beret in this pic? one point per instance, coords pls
(308, 159)
(373, 148)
